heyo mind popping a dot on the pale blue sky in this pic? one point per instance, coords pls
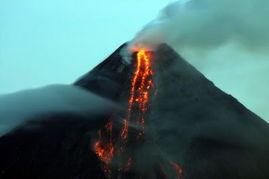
(56, 41)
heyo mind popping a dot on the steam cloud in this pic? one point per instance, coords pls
(206, 24)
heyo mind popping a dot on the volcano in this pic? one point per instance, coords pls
(191, 129)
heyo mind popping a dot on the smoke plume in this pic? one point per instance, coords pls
(206, 24)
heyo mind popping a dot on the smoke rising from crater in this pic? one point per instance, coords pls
(207, 24)
(226, 40)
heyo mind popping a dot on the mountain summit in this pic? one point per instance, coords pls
(190, 126)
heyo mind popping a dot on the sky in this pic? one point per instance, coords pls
(56, 41)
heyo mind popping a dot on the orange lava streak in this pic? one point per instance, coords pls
(141, 85)
(104, 151)
(124, 131)
(103, 148)
(139, 95)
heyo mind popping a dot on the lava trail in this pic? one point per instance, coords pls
(112, 146)
(141, 85)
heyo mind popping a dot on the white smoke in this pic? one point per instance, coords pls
(205, 24)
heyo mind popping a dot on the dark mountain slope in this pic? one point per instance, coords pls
(191, 122)
(207, 131)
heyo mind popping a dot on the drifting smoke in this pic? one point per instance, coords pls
(18, 108)
(206, 24)
(228, 41)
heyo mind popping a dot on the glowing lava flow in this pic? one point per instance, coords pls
(104, 147)
(115, 145)
(139, 95)
(141, 84)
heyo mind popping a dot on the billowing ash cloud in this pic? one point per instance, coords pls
(205, 24)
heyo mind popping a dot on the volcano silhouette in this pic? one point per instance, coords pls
(191, 122)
